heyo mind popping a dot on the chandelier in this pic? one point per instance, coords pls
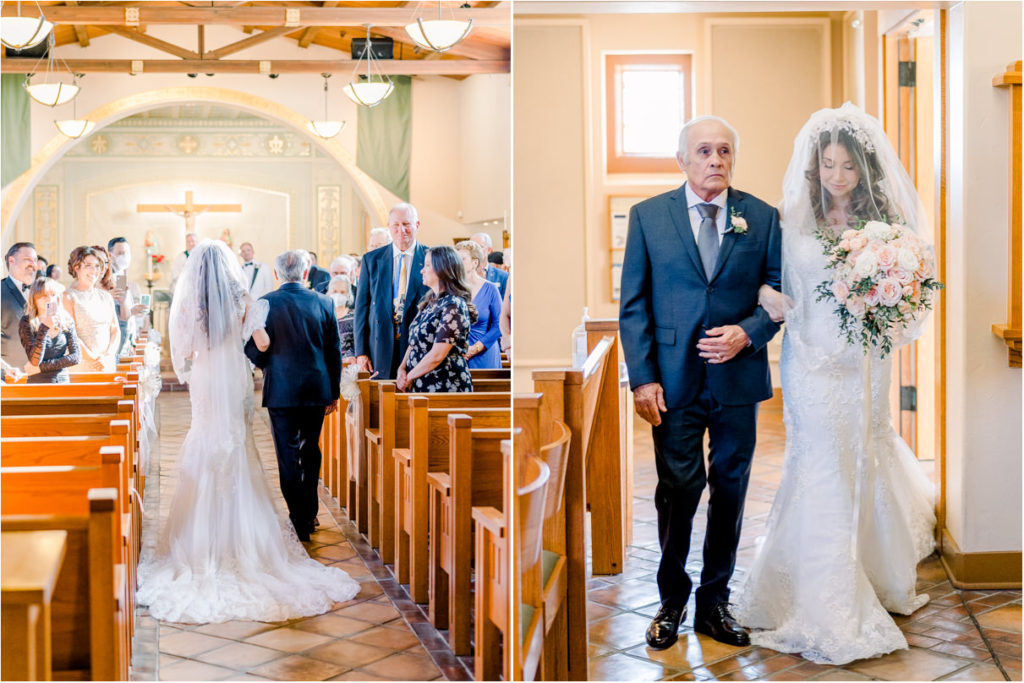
(376, 86)
(20, 32)
(325, 128)
(438, 34)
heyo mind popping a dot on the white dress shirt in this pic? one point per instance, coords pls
(21, 287)
(262, 283)
(410, 252)
(692, 200)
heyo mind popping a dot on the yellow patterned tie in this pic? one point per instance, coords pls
(402, 273)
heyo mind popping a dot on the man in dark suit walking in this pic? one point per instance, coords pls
(694, 339)
(388, 295)
(21, 269)
(301, 382)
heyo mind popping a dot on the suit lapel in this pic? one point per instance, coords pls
(387, 276)
(681, 219)
(413, 292)
(732, 201)
(14, 291)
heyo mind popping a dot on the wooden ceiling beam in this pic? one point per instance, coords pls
(152, 41)
(408, 67)
(310, 33)
(244, 43)
(466, 48)
(80, 33)
(246, 15)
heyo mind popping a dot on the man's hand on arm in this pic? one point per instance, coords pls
(364, 363)
(722, 343)
(650, 402)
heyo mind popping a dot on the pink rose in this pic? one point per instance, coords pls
(903, 307)
(844, 244)
(904, 276)
(873, 297)
(855, 305)
(908, 290)
(886, 256)
(858, 242)
(925, 269)
(840, 290)
(849, 234)
(890, 291)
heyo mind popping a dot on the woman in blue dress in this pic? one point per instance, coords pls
(484, 350)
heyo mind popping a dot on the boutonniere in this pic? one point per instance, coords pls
(737, 223)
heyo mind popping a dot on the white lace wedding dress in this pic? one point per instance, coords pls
(849, 524)
(224, 552)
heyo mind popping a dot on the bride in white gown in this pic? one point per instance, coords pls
(224, 552)
(853, 514)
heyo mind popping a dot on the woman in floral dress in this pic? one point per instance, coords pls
(439, 336)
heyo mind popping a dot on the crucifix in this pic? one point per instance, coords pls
(189, 210)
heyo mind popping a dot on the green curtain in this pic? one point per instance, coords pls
(15, 141)
(384, 138)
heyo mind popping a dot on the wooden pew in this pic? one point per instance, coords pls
(427, 451)
(105, 452)
(528, 613)
(474, 478)
(493, 590)
(391, 432)
(587, 400)
(89, 613)
(30, 565)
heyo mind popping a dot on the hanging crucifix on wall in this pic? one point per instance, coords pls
(189, 210)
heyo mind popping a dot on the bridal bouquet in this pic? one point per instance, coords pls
(883, 277)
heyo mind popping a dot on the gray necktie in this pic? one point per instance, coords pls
(707, 237)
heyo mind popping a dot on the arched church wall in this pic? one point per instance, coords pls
(445, 182)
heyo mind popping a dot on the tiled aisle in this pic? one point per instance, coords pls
(959, 635)
(368, 638)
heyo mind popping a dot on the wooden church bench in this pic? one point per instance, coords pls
(90, 615)
(531, 480)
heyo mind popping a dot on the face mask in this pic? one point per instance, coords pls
(121, 262)
(339, 300)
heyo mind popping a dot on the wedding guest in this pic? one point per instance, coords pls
(48, 334)
(41, 266)
(92, 309)
(131, 316)
(318, 278)
(389, 291)
(439, 335)
(258, 276)
(54, 272)
(491, 272)
(340, 292)
(379, 237)
(178, 264)
(21, 269)
(484, 334)
(506, 322)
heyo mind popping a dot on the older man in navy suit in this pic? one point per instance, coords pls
(301, 382)
(694, 339)
(388, 295)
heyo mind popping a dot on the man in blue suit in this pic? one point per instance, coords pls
(388, 295)
(694, 339)
(301, 382)
(493, 274)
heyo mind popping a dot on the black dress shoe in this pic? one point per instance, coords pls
(664, 627)
(303, 535)
(720, 625)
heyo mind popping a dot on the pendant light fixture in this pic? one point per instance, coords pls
(376, 86)
(325, 128)
(438, 34)
(21, 32)
(74, 127)
(55, 92)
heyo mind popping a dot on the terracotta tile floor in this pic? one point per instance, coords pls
(959, 635)
(379, 635)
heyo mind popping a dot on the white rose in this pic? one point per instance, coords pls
(867, 265)
(907, 259)
(877, 230)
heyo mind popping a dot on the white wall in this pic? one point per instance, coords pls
(983, 467)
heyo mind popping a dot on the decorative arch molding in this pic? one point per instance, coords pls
(19, 190)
